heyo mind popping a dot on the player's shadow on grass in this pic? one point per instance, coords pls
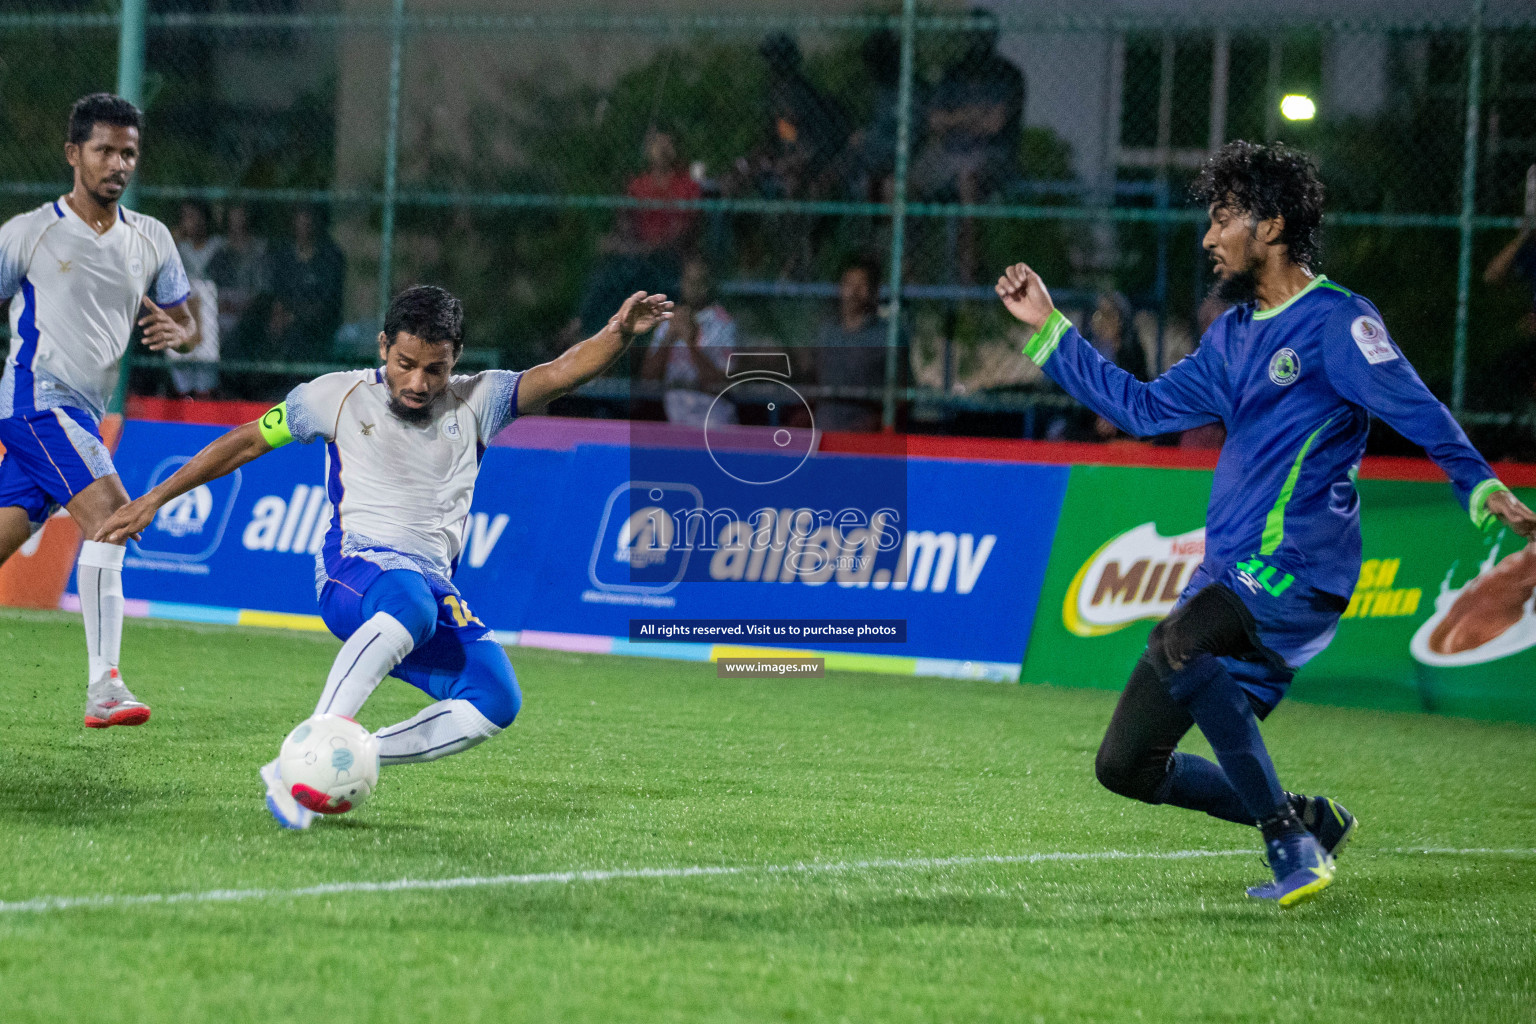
(71, 786)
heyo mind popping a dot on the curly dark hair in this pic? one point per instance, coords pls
(431, 313)
(101, 108)
(1264, 182)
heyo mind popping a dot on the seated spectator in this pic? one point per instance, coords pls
(807, 130)
(239, 269)
(689, 353)
(308, 277)
(851, 351)
(872, 149)
(645, 251)
(198, 377)
(975, 123)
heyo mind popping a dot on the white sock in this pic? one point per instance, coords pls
(437, 730)
(365, 659)
(100, 575)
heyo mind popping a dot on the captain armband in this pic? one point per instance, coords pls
(274, 426)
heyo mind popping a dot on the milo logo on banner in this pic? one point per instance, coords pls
(1137, 575)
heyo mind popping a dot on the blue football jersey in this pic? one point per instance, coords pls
(1295, 386)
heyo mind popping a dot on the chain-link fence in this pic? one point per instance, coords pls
(780, 169)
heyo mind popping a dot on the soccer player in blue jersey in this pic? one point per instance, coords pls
(1294, 370)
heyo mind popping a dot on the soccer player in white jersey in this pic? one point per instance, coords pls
(77, 273)
(403, 448)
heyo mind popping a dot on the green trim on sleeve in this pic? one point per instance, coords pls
(1274, 523)
(274, 426)
(1477, 504)
(1044, 341)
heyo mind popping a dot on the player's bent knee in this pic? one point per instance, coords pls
(490, 684)
(1126, 774)
(404, 596)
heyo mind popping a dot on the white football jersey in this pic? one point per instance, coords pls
(397, 486)
(75, 298)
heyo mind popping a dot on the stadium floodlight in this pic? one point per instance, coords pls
(1296, 107)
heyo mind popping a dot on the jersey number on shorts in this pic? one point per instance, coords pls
(462, 616)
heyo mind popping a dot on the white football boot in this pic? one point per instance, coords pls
(108, 702)
(281, 802)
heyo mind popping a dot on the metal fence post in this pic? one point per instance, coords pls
(899, 206)
(130, 66)
(391, 157)
(1468, 204)
(130, 86)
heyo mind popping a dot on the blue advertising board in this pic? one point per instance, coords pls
(584, 541)
(962, 563)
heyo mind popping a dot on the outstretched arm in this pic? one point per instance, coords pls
(581, 362)
(221, 457)
(1186, 396)
(1366, 367)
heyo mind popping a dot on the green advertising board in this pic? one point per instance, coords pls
(1441, 619)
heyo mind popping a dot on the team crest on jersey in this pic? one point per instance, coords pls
(136, 266)
(1371, 338)
(1285, 367)
(451, 429)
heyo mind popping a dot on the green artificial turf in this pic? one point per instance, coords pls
(633, 764)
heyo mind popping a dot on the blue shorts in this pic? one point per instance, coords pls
(50, 456)
(460, 660)
(1295, 623)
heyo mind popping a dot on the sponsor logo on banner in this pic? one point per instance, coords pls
(1488, 618)
(187, 513)
(637, 549)
(294, 524)
(1375, 596)
(188, 529)
(1137, 575)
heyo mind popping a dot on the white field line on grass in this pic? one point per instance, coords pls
(44, 904)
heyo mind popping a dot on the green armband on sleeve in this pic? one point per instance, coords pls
(1044, 341)
(274, 426)
(1477, 504)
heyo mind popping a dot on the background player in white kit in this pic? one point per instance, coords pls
(403, 448)
(77, 272)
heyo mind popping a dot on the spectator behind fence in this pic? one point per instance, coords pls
(240, 270)
(851, 351)
(308, 274)
(975, 121)
(807, 130)
(197, 374)
(644, 252)
(689, 353)
(872, 149)
(1518, 259)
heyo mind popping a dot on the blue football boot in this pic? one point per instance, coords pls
(1326, 819)
(1302, 870)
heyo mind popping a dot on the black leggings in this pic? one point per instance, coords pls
(1148, 723)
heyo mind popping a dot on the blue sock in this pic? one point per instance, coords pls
(1197, 784)
(1221, 710)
